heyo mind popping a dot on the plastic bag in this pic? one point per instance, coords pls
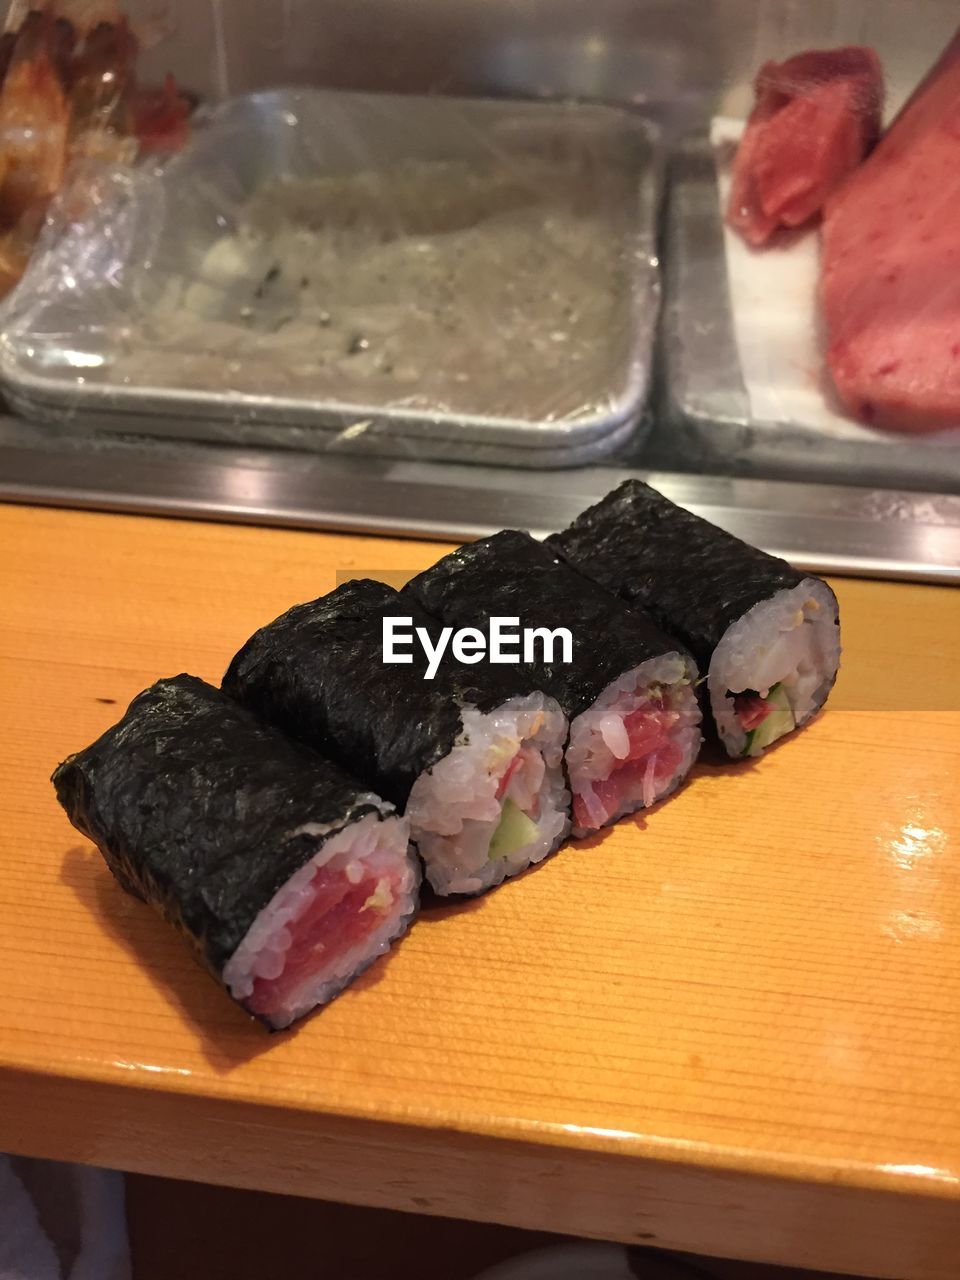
(439, 277)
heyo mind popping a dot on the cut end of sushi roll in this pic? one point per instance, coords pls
(773, 669)
(496, 803)
(636, 744)
(332, 918)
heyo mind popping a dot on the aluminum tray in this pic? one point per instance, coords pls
(705, 422)
(302, 135)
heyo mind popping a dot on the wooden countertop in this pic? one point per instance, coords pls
(732, 1026)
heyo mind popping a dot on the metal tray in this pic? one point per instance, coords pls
(308, 135)
(825, 528)
(704, 411)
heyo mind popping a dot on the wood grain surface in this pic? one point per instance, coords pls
(730, 1026)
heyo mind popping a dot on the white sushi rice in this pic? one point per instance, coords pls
(374, 846)
(791, 639)
(454, 809)
(599, 741)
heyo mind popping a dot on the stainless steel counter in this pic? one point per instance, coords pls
(679, 63)
(826, 528)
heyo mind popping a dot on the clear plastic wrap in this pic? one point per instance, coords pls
(461, 279)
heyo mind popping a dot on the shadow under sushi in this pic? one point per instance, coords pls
(639, 820)
(227, 1036)
(435, 907)
(713, 757)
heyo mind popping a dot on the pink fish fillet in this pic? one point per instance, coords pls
(890, 270)
(815, 118)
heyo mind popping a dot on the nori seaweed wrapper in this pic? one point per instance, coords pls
(317, 673)
(195, 806)
(696, 580)
(512, 575)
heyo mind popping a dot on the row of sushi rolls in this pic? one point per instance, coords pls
(288, 822)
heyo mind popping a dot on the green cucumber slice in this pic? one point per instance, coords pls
(780, 721)
(514, 830)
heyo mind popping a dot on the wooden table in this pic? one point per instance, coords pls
(732, 1026)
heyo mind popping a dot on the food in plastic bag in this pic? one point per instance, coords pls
(68, 91)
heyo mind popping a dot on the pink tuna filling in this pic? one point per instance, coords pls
(522, 780)
(651, 763)
(336, 921)
(751, 710)
(508, 773)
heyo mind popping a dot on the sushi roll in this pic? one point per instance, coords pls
(767, 636)
(628, 690)
(471, 755)
(286, 875)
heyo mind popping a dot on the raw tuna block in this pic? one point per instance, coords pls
(890, 283)
(815, 118)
